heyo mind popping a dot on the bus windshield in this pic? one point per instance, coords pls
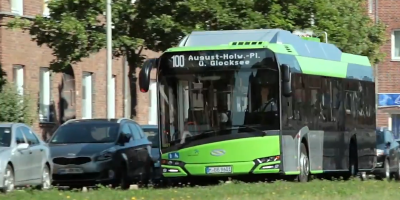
(202, 105)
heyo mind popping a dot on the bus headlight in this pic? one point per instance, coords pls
(267, 159)
(172, 162)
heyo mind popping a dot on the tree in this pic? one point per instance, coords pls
(76, 28)
(15, 107)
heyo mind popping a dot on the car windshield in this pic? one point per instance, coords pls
(86, 133)
(380, 137)
(152, 135)
(5, 136)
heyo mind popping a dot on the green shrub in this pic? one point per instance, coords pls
(15, 107)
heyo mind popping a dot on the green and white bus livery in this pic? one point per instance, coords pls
(262, 102)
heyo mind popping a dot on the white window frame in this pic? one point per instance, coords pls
(45, 95)
(87, 93)
(113, 84)
(18, 73)
(370, 6)
(153, 103)
(46, 10)
(393, 47)
(17, 7)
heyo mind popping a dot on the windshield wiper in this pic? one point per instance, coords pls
(251, 128)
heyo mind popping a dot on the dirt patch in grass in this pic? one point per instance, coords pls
(326, 190)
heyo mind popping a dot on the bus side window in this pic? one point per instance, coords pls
(298, 98)
(326, 99)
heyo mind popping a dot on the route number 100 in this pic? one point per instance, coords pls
(178, 61)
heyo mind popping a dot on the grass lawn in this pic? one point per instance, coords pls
(326, 190)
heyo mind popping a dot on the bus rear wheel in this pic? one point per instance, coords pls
(304, 175)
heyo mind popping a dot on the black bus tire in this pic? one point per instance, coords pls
(304, 161)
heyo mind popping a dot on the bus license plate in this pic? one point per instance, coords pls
(219, 170)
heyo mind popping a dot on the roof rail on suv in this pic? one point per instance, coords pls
(69, 121)
(118, 121)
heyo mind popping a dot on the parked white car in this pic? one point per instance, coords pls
(24, 158)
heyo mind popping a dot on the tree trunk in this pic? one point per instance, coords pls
(134, 61)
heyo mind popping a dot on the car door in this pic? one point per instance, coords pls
(20, 158)
(395, 146)
(35, 153)
(129, 150)
(145, 141)
(141, 144)
(391, 148)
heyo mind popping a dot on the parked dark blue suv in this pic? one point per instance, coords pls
(388, 155)
(152, 134)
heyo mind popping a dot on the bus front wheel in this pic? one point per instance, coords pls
(304, 175)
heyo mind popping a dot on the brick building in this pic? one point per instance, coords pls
(81, 91)
(77, 93)
(388, 71)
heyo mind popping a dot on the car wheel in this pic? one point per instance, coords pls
(46, 179)
(147, 174)
(386, 175)
(304, 165)
(8, 180)
(397, 173)
(123, 178)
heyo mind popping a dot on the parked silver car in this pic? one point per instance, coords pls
(24, 158)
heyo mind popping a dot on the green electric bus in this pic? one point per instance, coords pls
(262, 102)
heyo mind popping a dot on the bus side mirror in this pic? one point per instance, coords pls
(144, 74)
(286, 80)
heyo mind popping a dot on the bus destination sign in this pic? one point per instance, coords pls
(215, 58)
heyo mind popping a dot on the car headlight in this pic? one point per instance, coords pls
(105, 155)
(379, 152)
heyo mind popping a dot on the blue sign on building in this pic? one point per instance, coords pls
(388, 99)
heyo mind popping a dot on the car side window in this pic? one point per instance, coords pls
(135, 131)
(30, 136)
(388, 136)
(393, 143)
(19, 136)
(125, 129)
(141, 133)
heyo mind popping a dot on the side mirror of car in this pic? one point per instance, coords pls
(125, 137)
(22, 146)
(388, 145)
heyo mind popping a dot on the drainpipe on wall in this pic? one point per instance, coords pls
(126, 88)
(376, 65)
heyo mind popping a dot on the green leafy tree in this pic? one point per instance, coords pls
(76, 28)
(15, 107)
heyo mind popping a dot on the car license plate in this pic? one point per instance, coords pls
(70, 171)
(219, 170)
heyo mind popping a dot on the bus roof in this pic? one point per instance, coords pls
(302, 55)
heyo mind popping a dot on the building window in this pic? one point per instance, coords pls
(113, 97)
(17, 7)
(46, 10)
(46, 107)
(87, 92)
(18, 78)
(395, 125)
(396, 45)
